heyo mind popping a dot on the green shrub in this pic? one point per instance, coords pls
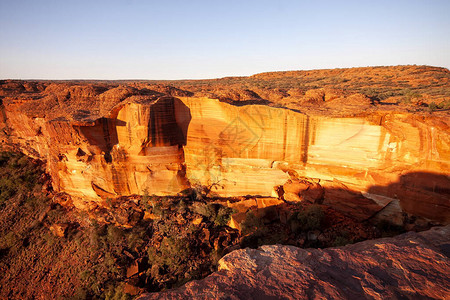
(158, 210)
(445, 104)
(10, 239)
(223, 216)
(80, 294)
(182, 206)
(147, 201)
(114, 234)
(116, 293)
(341, 241)
(175, 250)
(173, 256)
(342, 238)
(8, 189)
(311, 218)
(85, 275)
(206, 210)
(389, 229)
(251, 224)
(215, 213)
(135, 238)
(432, 106)
(409, 96)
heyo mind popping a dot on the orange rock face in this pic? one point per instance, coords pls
(110, 140)
(412, 265)
(251, 149)
(134, 149)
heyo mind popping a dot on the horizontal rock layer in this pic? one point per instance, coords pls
(250, 149)
(166, 145)
(409, 266)
(134, 149)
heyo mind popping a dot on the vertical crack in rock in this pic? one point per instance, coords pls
(305, 141)
(107, 137)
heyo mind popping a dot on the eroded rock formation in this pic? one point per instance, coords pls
(412, 265)
(251, 149)
(137, 147)
(103, 141)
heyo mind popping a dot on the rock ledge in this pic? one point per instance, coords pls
(409, 266)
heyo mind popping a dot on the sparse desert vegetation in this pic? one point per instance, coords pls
(155, 181)
(132, 245)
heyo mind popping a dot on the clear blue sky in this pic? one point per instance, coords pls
(137, 39)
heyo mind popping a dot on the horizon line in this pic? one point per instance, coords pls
(223, 77)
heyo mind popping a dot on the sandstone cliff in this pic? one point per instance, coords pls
(409, 266)
(135, 148)
(105, 140)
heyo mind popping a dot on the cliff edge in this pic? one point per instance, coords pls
(409, 266)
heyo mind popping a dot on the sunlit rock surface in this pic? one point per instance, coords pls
(137, 147)
(250, 149)
(162, 145)
(409, 266)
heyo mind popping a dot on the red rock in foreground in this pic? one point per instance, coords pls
(409, 266)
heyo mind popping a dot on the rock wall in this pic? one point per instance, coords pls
(223, 139)
(164, 146)
(250, 149)
(137, 148)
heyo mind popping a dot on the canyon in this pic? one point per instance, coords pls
(127, 141)
(313, 158)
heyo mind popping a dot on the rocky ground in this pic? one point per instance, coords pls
(131, 245)
(409, 266)
(334, 92)
(127, 246)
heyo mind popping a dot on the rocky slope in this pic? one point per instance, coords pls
(409, 266)
(108, 139)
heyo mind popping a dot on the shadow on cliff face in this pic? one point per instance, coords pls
(169, 122)
(421, 194)
(168, 125)
(313, 214)
(416, 196)
(266, 102)
(245, 102)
